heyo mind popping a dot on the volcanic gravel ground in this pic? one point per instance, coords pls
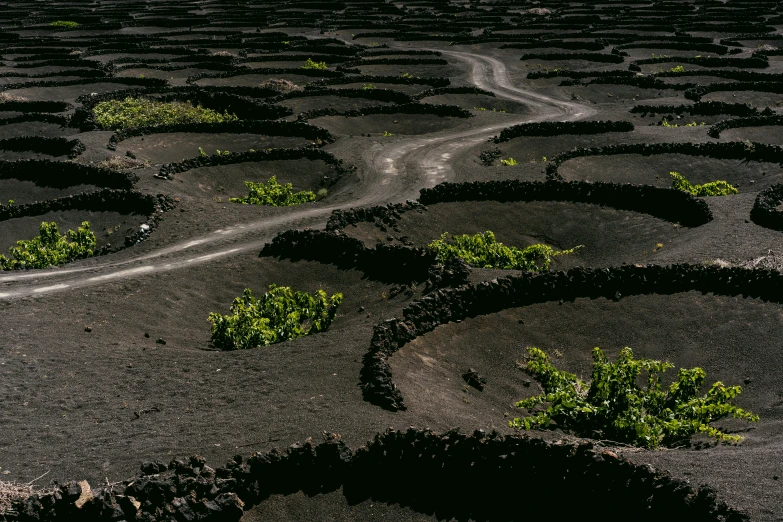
(107, 362)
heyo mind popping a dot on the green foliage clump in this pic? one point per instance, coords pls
(50, 248)
(484, 251)
(279, 315)
(310, 64)
(677, 69)
(368, 87)
(274, 194)
(64, 23)
(140, 112)
(510, 162)
(613, 406)
(714, 188)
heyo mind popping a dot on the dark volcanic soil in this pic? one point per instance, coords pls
(107, 362)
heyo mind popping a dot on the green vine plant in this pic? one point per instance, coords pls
(64, 23)
(281, 314)
(310, 64)
(141, 112)
(613, 406)
(510, 162)
(484, 251)
(714, 188)
(274, 194)
(50, 248)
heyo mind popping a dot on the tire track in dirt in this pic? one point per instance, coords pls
(395, 172)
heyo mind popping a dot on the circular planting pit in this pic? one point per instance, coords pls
(176, 146)
(731, 337)
(227, 181)
(377, 124)
(609, 236)
(110, 228)
(528, 150)
(338, 103)
(771, 134)
(246, 79)
(32, 128)
(755, 98)
(399, 87)
(654, 170)
(67, 93)
(474, 102)
(118, 218)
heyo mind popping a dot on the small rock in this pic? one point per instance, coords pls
(473, 378)
(747, 380)
(147, 335)
(86, 495)
(88, 329)
(361, 309)
(160, 340)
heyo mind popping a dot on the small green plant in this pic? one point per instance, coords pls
(666, 123)
(613, 406)
(64, 23)
(321, 194)
(140, 112)
(406, 75)
(484, 251)
(50, 248)
(202, 153)
(714, 188)
(281, 314)
(510, 162)
(387, 134)
(310, 64)
(219, 152)
(677, 69)
(479, 108)
(11, 202)
(368, 87)
(273, 194)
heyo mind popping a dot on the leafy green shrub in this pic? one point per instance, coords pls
(677, 69)
(279, 315)
(310, 64)
(510, 162)
(613, 406)
(139, 112)
(387, 134)
(484, 251)
(273, 194)
(714, 188)
(368, 87)
(64, 23)
(51, 248)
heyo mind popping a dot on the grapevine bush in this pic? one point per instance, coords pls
(64, 23)
(279, 315)
(484, 251)
(274, 194)
(140, 112)
(310, 64)
(50, 248)
(613, 406)
(714, 188)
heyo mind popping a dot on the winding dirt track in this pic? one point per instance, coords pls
(395, 172)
